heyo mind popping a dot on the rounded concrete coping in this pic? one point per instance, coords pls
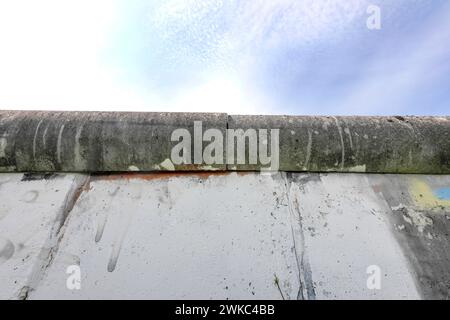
(39, 141)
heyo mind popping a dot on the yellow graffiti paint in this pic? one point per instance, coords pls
(424, 196)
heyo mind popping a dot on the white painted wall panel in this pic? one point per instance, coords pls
(30, 213)
(228, 236)
(225, 235)
(346, 231)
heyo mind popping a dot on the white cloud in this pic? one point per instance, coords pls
(236, 30)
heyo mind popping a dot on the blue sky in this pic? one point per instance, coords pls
(249, 57)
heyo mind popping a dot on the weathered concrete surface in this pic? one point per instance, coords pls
(235, 235)
(356, 144)
(420, 219)
(32, 212)
(96, 141)
(112, 142)
(178, 238)
(345, 230)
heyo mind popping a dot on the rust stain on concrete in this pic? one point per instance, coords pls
(204, 175)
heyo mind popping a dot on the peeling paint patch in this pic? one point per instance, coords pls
(168, 165)
(414, 217)
(133, 168)
(209, 168)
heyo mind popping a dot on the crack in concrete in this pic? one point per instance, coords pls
(306, 287)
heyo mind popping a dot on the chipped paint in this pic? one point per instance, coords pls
(210, 168)
(168, 165)
(413, 217)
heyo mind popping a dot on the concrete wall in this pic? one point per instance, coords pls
(225, 235)
(114, 142)
(222, 231)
